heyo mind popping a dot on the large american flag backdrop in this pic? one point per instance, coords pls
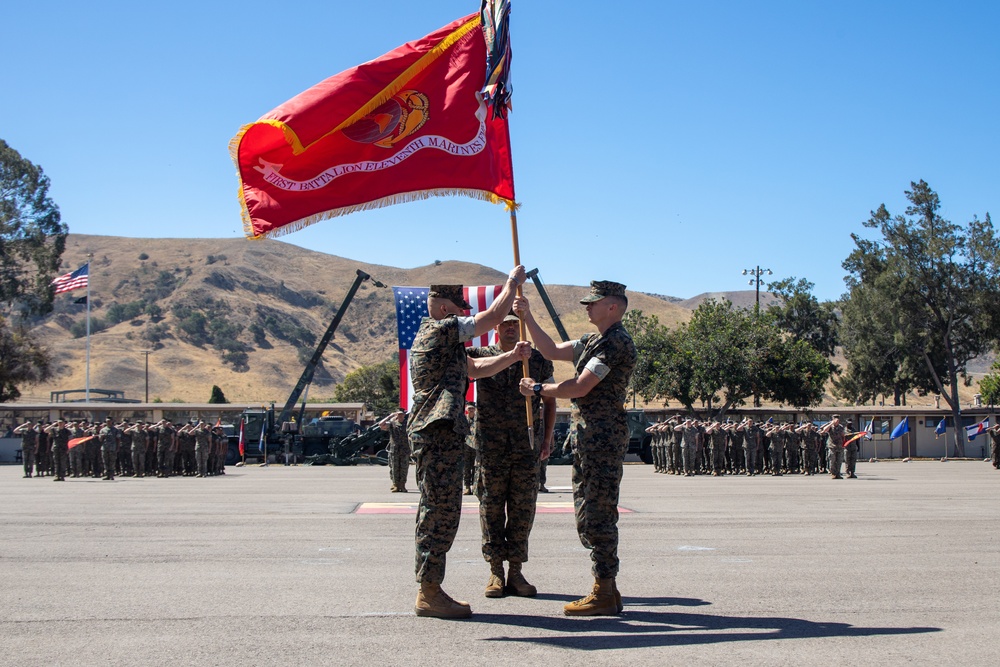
(411, 308)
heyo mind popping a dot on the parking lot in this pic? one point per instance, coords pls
(314, 565)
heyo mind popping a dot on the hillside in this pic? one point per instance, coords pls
(244, 316)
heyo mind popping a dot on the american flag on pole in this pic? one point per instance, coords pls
(73, 280)
(411, 309)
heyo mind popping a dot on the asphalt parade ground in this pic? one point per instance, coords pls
(314, 566)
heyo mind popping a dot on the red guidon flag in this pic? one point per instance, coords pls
(408, 125)
(76, 442)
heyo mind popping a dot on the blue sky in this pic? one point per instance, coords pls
(665, 145)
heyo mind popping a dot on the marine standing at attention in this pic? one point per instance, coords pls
(437, 427)
(399, 450)
(599, 430)
(508, 461)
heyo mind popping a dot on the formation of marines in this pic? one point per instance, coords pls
(82, 449)
(687, 446)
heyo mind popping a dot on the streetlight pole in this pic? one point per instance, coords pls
(755, 280)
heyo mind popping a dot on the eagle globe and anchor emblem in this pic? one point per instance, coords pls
(394, 120)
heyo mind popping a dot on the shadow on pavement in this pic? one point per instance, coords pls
(633, 600)
(644, 629)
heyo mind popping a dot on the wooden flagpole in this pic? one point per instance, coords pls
(524, 362)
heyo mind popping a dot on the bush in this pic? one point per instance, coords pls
(240, 361)
(79, 329)
(143, 256)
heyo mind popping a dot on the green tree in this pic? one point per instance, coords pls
(32, 240)
(32, 236)
(723, 356)
(722, 342)
(377, 386)
(989, 386)
(217, 395)
(649, 338)
(22, 362)
(940, 283)
(801, 315)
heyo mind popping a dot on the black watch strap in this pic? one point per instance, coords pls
(537, 389)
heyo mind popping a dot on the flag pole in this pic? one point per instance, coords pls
(523, 336)
(871, 426)
(86, 388)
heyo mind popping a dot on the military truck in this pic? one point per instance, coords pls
(639, 442)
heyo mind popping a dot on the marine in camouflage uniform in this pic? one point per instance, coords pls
(76, 454)
(654, 444)
(675, 452)
(399, 450)
(994, 443)
(717, 448)
(164, 434)
(221, 449)
(752, 447)
(29, 445)
(440, 371)
(737, 458)
(202, 448)
(810, 448)
(59, 436)
(599, 430)
(92, 456)
(110, 437)
(689, 445)
(507, 470)
(791, 449)
(140, 442)
(835, 446)
(851, 450)
(124, 451)
(185, 461)
(469, 476)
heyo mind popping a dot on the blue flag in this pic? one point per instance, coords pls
(261, 444)
(941, 427)
(901, 428)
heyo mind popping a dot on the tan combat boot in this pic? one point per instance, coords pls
(495, 585)
(517, 584)
(434, 602)
(600, 602)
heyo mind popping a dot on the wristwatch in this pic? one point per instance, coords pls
(537, 389)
